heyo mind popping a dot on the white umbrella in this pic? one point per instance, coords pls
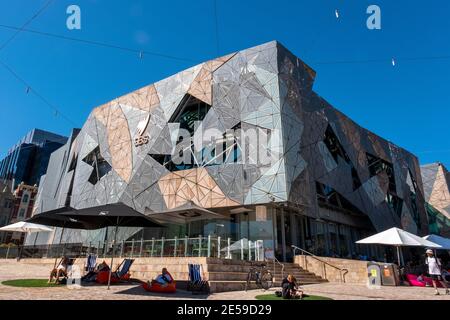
(27, 227)
(443, 242)
(398, 238)
(240, 244)
(23, 226)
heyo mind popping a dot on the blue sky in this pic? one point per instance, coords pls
(408, 104)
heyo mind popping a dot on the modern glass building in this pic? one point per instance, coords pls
(238, 147)
(27, 161)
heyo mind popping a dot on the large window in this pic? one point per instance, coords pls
(415, 210)
(329, 197)
(100, 165)
(225, 148)
(377, 165)
(190, 111)
(395, 203)
(21, 213)
(338, 152)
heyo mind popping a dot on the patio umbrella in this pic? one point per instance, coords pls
(240, 244)
(443, 242)
(23, 226)
(398, 238)
(27, 227)
(55, 218)
(110, 215)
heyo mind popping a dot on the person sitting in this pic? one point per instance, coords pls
(290, 289)
(163, 279)
(60, 271)
(102, 267)
(91, 276)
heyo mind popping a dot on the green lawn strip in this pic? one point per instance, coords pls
(30, 283)
(274, 297)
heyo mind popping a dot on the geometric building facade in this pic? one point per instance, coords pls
(245, 137)
(436, 185)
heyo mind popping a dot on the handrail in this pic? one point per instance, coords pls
(342, 271)
(275, 260)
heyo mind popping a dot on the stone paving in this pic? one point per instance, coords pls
(12, 270)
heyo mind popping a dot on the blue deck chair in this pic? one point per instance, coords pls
(196, 283)
(123, 269)
(121, 274)
(91, 263)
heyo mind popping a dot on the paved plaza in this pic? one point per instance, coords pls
(335, 291)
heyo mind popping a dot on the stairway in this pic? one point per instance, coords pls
(302, 276)
(231, 275)
(222, 274)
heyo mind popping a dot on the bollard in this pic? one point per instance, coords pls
(142, 247)
(228, 248)
(249, 250)
(242, 249)
(186, 246)
(162, 247)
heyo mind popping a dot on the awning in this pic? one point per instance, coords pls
(23, 226)
(398, 237)
(443, 242)
(243, 244)
(184, 214)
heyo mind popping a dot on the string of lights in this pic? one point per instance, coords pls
(19, 30)
(140, 53)
(28, 87)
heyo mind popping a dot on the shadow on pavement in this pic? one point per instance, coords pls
(180, 294)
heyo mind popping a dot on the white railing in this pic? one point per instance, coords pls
(210, 246)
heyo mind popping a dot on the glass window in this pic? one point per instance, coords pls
(395, 203)
(338, 152)
(25, 198)
(415, 210)
(377, 165)
(333, 236)
(344, 241)
(319, 247)
(190, 111)
(100, 165)
(21, 213)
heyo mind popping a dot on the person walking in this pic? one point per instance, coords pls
(435, 271)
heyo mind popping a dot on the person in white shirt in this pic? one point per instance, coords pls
(435, 271)
(163, 279)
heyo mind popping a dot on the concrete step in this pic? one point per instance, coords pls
(224, 286)
(242, 276)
